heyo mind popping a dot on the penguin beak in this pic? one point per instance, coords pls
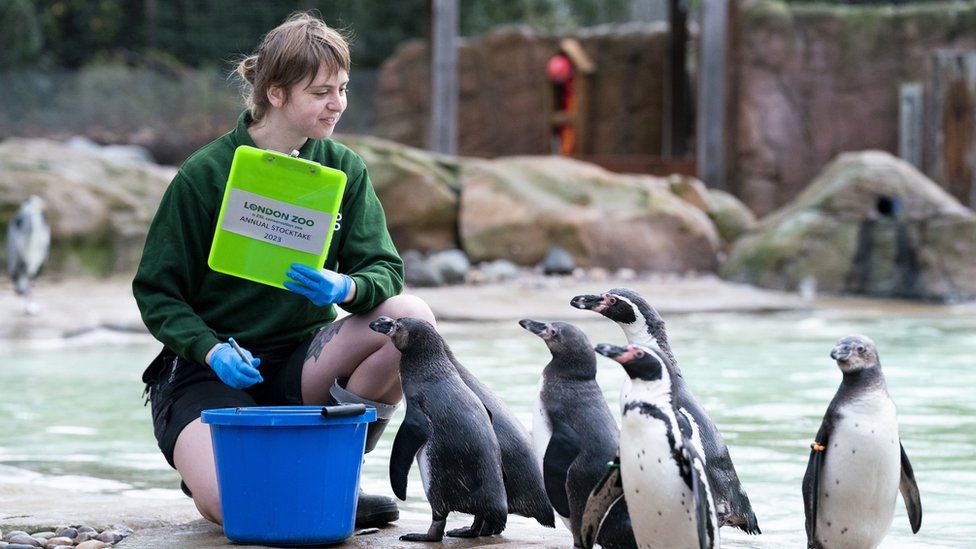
(384, 325)
(611, 351)
(533, 326)
(841, 353)
(590, 302)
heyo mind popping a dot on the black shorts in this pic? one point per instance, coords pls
(179, 389)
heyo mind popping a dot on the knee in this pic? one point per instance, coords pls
(208, 504)
(405, 305)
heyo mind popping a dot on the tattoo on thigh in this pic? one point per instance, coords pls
(323, 336)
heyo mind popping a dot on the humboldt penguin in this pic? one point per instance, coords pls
(857, 463)
(28, 241)
(574, 431)
(523, 477)
(642, 325)
(663, 473)
(448, 430)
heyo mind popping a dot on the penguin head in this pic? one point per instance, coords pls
(608, 304)
(406, 332)
(562, 338)
(644, 363)
(855, 353)
(623, 306)
(34, 205)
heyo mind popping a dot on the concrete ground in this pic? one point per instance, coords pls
(75, 307)
(201, 534)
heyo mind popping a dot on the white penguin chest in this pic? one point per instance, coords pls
(541, 434)
(423, 464)
(860, 475)
(653, 485)
(541, 427)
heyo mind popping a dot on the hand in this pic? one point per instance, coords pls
(232, 369)
(322, 288)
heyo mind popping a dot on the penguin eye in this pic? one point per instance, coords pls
(639, 354)
(611, 300)
(860, 348)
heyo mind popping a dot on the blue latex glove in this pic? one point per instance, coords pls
(234, 370)
(320, 287)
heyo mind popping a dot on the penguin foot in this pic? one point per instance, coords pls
(420, 537)
(472, 531)
(478, 528)
(434, 533)
(467, 532)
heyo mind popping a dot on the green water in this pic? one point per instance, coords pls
(73, 412)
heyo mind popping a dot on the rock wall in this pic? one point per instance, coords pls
(100, 204)
(813, 81)
(870, 224)
(505, 97)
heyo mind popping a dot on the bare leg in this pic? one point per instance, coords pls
(351, 350)
(194, 461)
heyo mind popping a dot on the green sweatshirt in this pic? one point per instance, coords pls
(190, 308)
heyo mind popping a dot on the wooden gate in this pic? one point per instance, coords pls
(951, 139)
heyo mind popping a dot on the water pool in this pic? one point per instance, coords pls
(72, 411)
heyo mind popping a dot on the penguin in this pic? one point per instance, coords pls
(523, 477)
(448, 430)
(663, 473)
(28, 241)
(857, 463)
(574, 432)
(642, 325)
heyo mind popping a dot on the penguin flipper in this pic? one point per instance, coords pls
(605, 494)
(564, 446)
(909, 492)
(412, 435)
(811, 484)
(705, 512)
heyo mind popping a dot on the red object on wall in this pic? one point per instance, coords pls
(559, 69)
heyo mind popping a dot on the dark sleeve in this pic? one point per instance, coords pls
(173, 263)
(367, 253)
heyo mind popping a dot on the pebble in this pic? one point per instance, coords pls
(452, 264)
(85, 537)
(24, 539)
(558, 261)
(108, 537)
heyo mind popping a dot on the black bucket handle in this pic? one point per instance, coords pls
(344, 410)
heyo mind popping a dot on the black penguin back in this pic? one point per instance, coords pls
(572, 396)
(523, 478)
(462, 451)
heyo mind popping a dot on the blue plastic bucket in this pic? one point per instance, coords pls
(289, 475)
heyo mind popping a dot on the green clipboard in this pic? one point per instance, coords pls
(277, 210)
